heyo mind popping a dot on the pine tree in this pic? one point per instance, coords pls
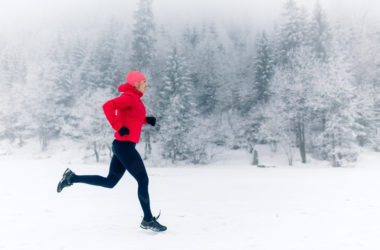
(208, 72)
(143, 50)
(293, 33)
(13, 77)
(338, 98)
(191, 37)
(374, 76)
(176, 99)
(263, 69)
(292, 90)
(235, 88)
(291, 52)
(95, 130)
(320, 33)
(320, 41)
(354, 46)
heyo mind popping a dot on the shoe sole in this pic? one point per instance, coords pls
(59, 189)
(146, 228)
(61, 181)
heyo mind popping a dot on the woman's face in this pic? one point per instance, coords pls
(141, 86)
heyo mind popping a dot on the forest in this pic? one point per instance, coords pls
(308, 85)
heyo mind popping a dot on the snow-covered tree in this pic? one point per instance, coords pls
(373, 75)
(263, 69)
(106, 57)
(178, 107)
(293, 31)
(93, 126)
(46, 116)
(291, 88)
(143, 44)
(277, 127)
(319, 33)
(235, 88)
(338, 98)
(208, 74)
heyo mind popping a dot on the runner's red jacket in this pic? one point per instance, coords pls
(130, 112)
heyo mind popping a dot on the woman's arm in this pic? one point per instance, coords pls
(111, 106)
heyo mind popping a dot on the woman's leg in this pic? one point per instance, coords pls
(115, 173)
(131, 159)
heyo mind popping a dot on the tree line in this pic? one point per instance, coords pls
(309, 86)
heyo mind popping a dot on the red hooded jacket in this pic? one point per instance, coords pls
(130, 112)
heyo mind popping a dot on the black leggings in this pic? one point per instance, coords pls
(125, 157)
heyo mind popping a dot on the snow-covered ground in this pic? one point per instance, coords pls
(225, 205)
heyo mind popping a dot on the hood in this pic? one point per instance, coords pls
(126, 87)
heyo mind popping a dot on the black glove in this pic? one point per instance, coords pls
(123, 131)
(151, 120)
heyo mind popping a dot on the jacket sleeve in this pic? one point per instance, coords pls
(111, 106)
(144, 122)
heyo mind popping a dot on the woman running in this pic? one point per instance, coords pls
(127, 122)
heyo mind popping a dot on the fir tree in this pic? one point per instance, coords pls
(143, 50)
(14, 118)
(95, 130)
(263, 69)
(339, 100)
(208, 71)
(178, 106)
(293, 33)
(320, 33)
(292, 89)
(106, 58)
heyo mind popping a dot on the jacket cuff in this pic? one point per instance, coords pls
(118, 126)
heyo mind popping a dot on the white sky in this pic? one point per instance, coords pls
(25, 15)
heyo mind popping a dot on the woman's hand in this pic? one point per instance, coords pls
(151, 120)
(123, 131)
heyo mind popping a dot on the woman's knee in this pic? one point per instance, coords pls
(111, 182)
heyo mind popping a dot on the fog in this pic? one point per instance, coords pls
(61, 60)
(23, 16)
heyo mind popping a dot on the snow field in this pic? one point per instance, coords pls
(214, 207)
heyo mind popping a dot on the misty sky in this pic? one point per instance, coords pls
(31, 15)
